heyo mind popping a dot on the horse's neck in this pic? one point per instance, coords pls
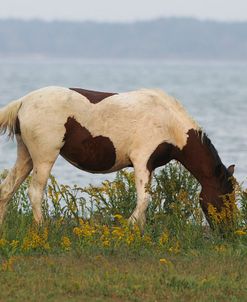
(199, 157)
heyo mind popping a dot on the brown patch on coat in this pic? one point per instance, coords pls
(93, 96)
(161, 156)
(93, 154)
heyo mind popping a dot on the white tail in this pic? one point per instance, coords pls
(8, 116)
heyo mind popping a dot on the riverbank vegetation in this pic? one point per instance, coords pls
(86, 251)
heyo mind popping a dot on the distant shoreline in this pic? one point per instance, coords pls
(172, 39)
(30, 58)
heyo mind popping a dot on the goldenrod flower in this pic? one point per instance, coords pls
(77, 231)
(66, 243)
(175, 249)
(220, 248)
(164, 261)
(3, 242)
(240, 232)
(164, 238)
(118, 216)
(35, 239)
(14, 244)
(106, 243)
(105, 231)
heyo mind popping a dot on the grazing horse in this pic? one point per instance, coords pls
(103, 132)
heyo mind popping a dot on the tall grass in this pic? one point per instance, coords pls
(94, 219)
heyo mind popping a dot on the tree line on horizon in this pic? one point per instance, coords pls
(165, 38)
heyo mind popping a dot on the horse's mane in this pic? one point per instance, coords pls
(207, 142)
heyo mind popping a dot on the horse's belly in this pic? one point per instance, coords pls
(88, 153)
(92, 154)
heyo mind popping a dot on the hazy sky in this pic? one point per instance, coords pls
(123, 10)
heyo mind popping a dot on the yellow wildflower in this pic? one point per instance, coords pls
(85, 229)
(240, 232)
(66, 243)
(106, 243)
(164, 261)
(175, 249)
(118, 232)
(130, 239)
(46, 246)
(220, 248)
(3, 242)
(105, 231)
(35, 239)
(213, 213)
(77, 231)
(81, 222)
(118, 216)
(45, 234)
(147, 239)
(14, 244)
(164, 238)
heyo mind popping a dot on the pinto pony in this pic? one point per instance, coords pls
(103, 132)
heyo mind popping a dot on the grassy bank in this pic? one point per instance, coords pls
(210, 276)
(85, 251)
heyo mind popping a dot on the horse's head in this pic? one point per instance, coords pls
(218, 196)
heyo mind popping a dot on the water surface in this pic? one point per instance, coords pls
(215, 94)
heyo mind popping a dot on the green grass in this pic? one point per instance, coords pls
(214, 276)
(85, 251)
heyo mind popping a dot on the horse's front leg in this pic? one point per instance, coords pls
(142, 181)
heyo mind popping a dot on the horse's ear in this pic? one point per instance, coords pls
(231, 169)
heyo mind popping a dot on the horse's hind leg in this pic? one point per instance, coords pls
(43, 156)
(41, 172)
(142, 181)
(16, 176)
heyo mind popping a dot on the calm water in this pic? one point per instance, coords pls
(215, 94)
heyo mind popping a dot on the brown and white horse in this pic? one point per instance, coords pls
(104, 132)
